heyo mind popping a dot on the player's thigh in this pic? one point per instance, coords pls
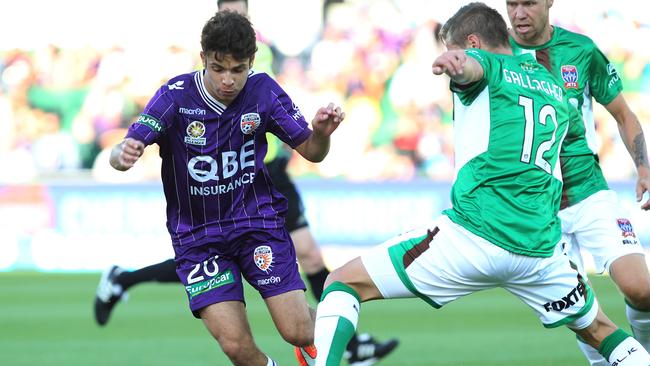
(209, 277)
(601, 227)
(355, 275)
(554, 289)
(292, 316)
(308, 253)
(267, 260)
(432, 263)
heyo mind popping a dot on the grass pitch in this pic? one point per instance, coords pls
(46, 319)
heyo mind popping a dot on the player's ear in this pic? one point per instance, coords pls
(473, 41)
(203, 60)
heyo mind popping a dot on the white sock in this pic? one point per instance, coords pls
(621, 349)
(592, 355)
(270, 362)
(336, 321)
(640, 324)
(629, 353)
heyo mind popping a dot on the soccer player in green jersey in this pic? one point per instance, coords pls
(510, 117)
(592, 218)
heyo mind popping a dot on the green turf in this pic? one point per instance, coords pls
(46, 319)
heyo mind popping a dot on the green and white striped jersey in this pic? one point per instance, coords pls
(508, 130)
(585, 74)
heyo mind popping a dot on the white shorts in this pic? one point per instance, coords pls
(599, 225)
(443, 262)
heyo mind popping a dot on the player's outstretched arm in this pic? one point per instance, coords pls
(461, 68)
(634, 140)
(126, 153)
(325, 122)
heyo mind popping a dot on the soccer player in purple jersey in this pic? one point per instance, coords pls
(225, 218)
(363, 349)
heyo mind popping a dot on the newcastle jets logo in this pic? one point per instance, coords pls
(570, 76)
(263, 258)
(249, 123)
(195, 132)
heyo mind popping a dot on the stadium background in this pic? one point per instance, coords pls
(73, 75)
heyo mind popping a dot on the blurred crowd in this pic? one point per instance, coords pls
(63, 108)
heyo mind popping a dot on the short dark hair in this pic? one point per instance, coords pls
(221, 2)
(476, 18)
(229, 33)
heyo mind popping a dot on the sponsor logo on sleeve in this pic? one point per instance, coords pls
(263, 258)
(570, 76)
(297, 114)
(611, 71)
(195, 132)
(150, 122)
(177, 85)
(249, 123)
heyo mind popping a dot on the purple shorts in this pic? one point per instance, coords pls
(212, 273)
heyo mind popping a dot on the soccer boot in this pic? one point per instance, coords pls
(366, 351)
(108, 294)
(306, 356)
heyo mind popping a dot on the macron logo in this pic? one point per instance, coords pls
(177, 85)
(192, 112)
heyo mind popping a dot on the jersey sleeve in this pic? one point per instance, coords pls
(467, 93)
(155, 119)
(287, 122)
(605, 83)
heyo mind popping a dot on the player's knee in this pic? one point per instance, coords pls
(331, 278)
(338, 275)
(236, 350)
(301, 335)
(639, 296)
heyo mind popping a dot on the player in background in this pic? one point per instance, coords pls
(224, 216)
(591, 214)
(363, 349)
(502, 230)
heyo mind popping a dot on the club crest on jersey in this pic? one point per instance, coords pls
(195, 131)
(263, 258)
(249, 123)
(570, 76)
(626, 227)
(529, 67)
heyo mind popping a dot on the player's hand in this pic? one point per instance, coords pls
(130, 151)
(327, 119)
(643, 186)
(450, 63)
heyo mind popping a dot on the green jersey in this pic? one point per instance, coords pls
(585, 74)
(508, 130)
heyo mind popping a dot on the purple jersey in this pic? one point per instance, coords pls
(213, 173)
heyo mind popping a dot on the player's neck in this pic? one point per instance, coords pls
(503, 50)
(546, 35)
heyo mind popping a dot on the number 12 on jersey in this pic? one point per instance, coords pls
(529, 132)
